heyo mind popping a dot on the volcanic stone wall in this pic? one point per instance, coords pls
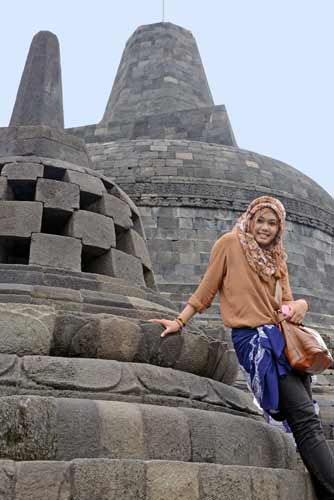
(190, 193)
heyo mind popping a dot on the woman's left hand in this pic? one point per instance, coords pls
(298, 310)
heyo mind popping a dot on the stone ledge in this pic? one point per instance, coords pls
(99, 479)
(46, 428)
(108, 379)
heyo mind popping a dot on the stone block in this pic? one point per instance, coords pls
(194, 355)
(112, 206)
(173, 481)
(167, 434)
(120, 265)
(106, 338)
(20, 218)
(96, 231)
(58, 195)
(36, 480)
(108, 480)
(113, 420)
(88, 184)
(226, 439)
(225, 482)
(6, 192)
(132, 243)
(27, 428)
(55, 251)
(23, 171)
(77, 430)
(26, 329)
(7, 479)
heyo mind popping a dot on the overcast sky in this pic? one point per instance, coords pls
(269, 61)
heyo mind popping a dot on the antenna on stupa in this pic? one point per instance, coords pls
(163, 11)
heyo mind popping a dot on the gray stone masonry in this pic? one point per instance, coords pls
(210, 124)
(39, 99)
(160, 71)
(23, 172)
(88, 184)
(20, 218)
(119, 264)
(96, 231)
(55, 251)
(185, 213)
(58, 195)
(132, 243)
(109, 479)
(113, 207)
(68, 428)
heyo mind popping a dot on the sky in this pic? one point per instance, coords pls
(268, 61)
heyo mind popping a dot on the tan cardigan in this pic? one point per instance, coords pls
(245, 299)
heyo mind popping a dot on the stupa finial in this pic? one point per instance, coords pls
(39, 100)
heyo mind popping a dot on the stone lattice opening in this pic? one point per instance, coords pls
(14, 250)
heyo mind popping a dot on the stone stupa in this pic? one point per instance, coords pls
(94, 405)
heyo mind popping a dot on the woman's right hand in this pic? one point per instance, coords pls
(171, 326)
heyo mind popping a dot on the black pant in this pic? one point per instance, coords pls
(296, 405)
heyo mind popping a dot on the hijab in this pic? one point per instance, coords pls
(266, 262)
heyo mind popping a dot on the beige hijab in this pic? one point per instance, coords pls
(265, 262)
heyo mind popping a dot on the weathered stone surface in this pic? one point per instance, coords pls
(107, 338)
(26, 329)
(27, 428)
(20, 218)
(167, 434)
(77, 430)
(95, 230)
(23, 171)
(108, 480)
(132, 243)
(120, 265)
(6, 192)
(113, 420)
(228, 442)
(55, 251)
(114, 207)
(39, 99)
(35, 480)
(87, 183)
(111, 479)
(57, 194)
(179, 83)
(108, 378)
(7, 479)
(172, 481)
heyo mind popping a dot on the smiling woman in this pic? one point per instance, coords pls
(245, 266)
(265, 227)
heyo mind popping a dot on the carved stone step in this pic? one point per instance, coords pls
(101, 479)
(31, 329)
(40, 428)
(113, 380)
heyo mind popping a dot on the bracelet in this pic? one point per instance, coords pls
(181, 320)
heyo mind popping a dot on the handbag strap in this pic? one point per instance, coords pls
(278, 293)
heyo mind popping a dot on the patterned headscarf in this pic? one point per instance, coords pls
(266, 262)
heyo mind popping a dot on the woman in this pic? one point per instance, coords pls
(244, 268)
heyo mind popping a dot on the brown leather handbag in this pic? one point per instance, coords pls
(305, 349)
